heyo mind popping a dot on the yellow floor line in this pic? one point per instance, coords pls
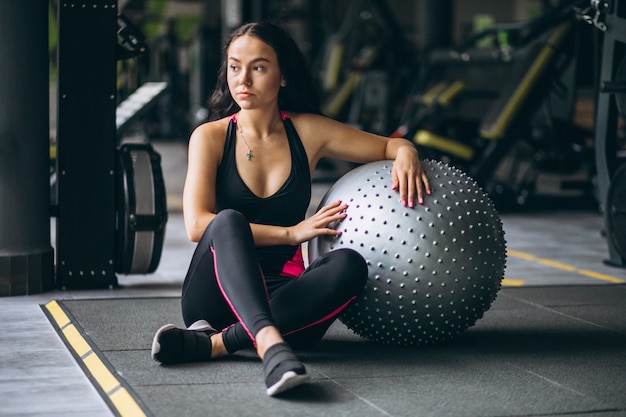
(119, 399)
(564, 267)
(512, 282)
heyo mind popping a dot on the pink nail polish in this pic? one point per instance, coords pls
(421, 201)
(404, 203)
(411, 205)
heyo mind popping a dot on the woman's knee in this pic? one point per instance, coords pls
(351, 266)
(226, 220)
(228, 217)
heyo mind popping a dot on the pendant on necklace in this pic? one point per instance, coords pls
(249, 154)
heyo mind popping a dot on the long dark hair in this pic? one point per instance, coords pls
(300, 95)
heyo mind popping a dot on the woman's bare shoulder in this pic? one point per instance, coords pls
(306, 117)
(211, 131)
(309, 123)
(207, 140)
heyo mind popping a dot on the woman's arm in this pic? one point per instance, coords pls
(204, 155)
(324, 137)
(307, 229)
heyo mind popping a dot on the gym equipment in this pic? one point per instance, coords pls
(610, 17)
(110, 199)
(86, 141)
(362, 66)
(142, 209)
(140, 188)
(616, 215)
(138, 104)
(491, 112)
(433, 269)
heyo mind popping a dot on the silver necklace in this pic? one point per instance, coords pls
(249, 154)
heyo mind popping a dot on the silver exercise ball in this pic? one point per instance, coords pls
(433, 270)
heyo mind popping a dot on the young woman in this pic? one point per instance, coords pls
(246, 193)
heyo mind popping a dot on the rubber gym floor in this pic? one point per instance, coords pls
(552, 344)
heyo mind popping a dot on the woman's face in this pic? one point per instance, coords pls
(253, 73)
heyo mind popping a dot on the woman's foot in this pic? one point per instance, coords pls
(282, 369)
(172, 345)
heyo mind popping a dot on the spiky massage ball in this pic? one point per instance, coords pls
(433, 270)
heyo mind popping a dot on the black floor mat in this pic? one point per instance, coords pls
(537, 351)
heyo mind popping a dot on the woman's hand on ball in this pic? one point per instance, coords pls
(408, 177)
(318, 224)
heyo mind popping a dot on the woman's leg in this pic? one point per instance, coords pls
(304, 308)
(203, 302)
(225, 263)
(201, 297)
(241, 282)
(225, 285)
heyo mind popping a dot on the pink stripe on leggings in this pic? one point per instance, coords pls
(328, 317)
(219, 284)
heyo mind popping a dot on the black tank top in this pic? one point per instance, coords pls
(286, 207)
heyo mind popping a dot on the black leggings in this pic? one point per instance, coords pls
(226, 287)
